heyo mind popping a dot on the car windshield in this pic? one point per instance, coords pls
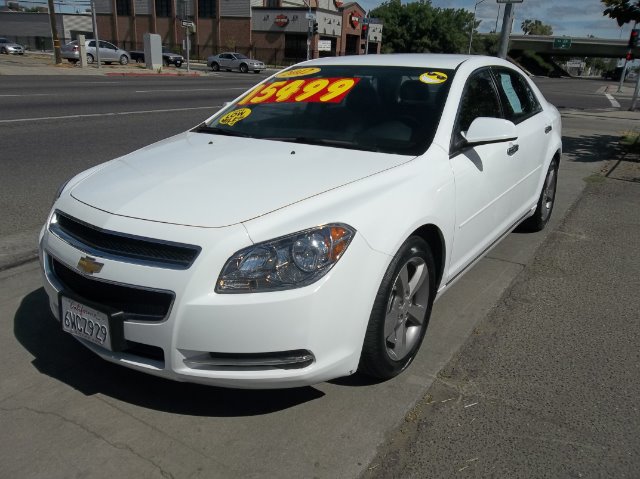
(376, 108)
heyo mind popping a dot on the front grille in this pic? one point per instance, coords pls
(129, 248)
(134, 302)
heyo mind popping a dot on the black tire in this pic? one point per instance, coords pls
(139, 60)
(547, 199)
(243, 68)
(178, 64)
(398, 322)
(124, 60)
(215, 67)
(256, 71)
(89, 58)
(4, 51)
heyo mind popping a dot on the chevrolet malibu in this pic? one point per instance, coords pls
(303, 232)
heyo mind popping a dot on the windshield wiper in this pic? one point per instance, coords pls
(214, 130)
(323, 142)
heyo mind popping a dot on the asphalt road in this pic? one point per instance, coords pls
(66, 413)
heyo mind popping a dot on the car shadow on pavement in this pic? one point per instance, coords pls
(61, 357)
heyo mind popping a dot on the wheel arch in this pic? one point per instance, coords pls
(433, 236)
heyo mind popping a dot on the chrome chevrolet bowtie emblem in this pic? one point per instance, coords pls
(89, 265)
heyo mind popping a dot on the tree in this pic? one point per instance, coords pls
(622, 11)
(536, 27)
(418, 27)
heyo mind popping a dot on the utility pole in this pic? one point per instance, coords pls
(507, 20)
(54, 32)
(95, 31)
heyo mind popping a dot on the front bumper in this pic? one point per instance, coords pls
(15, 50)
(261, 340)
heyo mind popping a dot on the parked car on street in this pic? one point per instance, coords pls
(234, 61)
(8, 47)
(109, 53)
(168, 57)
(302, 232)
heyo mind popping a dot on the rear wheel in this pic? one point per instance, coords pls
(244, 68)
(89, 58)
(547, 199)
(4, 51)
(124, 60)
(400, 312)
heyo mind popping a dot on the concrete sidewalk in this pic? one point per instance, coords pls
(547, 385)
(37, 63)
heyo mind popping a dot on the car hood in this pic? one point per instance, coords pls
(207, 180)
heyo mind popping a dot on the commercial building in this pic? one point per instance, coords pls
(275, 31)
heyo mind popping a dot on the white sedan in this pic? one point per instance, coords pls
(303, 232)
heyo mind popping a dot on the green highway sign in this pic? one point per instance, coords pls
(561, 43)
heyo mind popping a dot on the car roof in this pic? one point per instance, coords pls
(429, 60)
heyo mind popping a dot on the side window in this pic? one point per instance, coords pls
(92, 43)
(480, 98)
(519, 100)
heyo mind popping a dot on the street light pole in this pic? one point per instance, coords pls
(473, 24)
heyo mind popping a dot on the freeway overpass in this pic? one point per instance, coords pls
(580, 47)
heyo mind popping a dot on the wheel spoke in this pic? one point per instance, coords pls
(417, 279)
(417, 313)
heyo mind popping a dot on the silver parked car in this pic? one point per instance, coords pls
(234, 61)
(7, 47)
(109, 53)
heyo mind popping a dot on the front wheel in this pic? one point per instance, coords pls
(4, 51)
(178, 64)
(89, 58)
(124, 60)
(547, 199)
(244, 68)
(400, 312)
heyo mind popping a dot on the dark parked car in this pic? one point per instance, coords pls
(168, 57)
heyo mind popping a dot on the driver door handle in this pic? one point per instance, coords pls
(512, 150)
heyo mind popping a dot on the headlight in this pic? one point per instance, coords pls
(288, 262)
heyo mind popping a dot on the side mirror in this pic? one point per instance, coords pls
(485, 130)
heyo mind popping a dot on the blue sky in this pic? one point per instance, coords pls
(576, 18)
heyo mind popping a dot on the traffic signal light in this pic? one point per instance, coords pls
(633, 38)
(315, 27)
(629, 56)
(364, 31)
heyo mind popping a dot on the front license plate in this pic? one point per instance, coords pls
(85, 322)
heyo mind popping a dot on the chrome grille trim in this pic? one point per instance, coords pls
(121, 246)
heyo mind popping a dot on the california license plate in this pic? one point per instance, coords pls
(85, 322)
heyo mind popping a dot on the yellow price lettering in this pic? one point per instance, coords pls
(289, 90)
(311, 88)
(267, 92)
(337, 88)
(250, 95)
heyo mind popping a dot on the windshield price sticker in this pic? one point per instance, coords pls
(298, 72)
(432, 78)
(234, 116)
(313, 90)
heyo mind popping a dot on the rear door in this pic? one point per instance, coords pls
(523, 108)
